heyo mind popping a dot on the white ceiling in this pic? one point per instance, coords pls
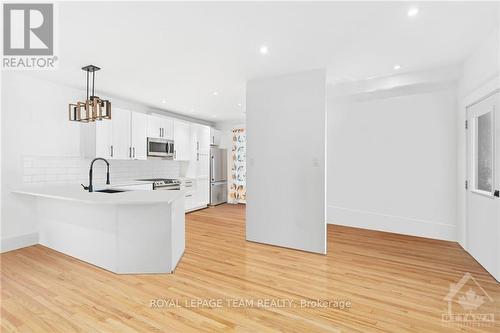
(183, 52)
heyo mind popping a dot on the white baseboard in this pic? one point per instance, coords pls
(389, 223)
(17, 242)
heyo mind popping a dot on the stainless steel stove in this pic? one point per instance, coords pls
(163, 183)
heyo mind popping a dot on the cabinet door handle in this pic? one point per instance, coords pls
(160, 132)
(130, 152)
(175, 153)
(133, 149)
(112, 151)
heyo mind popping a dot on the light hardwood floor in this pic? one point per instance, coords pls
(395, 284)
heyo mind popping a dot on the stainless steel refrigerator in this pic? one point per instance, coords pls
(218, 176)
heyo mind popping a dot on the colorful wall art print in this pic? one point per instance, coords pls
(237, 191)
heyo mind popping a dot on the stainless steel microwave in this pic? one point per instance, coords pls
(159, 147)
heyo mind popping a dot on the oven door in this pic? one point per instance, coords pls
(158, 147)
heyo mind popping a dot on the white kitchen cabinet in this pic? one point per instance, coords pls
(123, 137)
(203, 137)
(121, 134)
(160, 127)
(198, 167)
(182, 141)
(202, 193)
(138, 135)
(103, 146)
(215, 136)
(196, 195)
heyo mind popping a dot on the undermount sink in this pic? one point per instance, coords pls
(110, 191)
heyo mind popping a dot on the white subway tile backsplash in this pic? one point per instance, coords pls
(67, 170)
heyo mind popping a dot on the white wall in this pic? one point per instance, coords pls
(392, 162)
(481, 76)
(40, 145)
(285, 125)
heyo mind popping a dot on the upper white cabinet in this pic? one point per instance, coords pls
(182, 141)
(121, 146)
(100, 142)
(215, 136)
(123, 137)
(138, 137)
(203, 138)
(160, 127)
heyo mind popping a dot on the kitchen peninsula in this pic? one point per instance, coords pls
(125, 232)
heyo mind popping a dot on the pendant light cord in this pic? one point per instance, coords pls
(87, 85)
(93, 82)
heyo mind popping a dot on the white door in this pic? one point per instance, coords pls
(139, 135)
(121, 134)
(285, 154)
(483, 183)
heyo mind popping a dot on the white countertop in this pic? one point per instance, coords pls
(77, 193)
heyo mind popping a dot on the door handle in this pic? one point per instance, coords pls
(133, 151)
(112, 150)
(496, 193)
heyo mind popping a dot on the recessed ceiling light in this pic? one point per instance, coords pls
(413, 11)
(164, 101)
(214, 116)
(263, 49)
(239, 104)
(215, 93)
(396, 67)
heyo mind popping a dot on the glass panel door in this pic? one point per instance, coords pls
(483, 142)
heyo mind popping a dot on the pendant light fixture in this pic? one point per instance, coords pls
(94, 108)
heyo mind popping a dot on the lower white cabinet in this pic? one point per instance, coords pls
(196, 194)
(201, 196)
